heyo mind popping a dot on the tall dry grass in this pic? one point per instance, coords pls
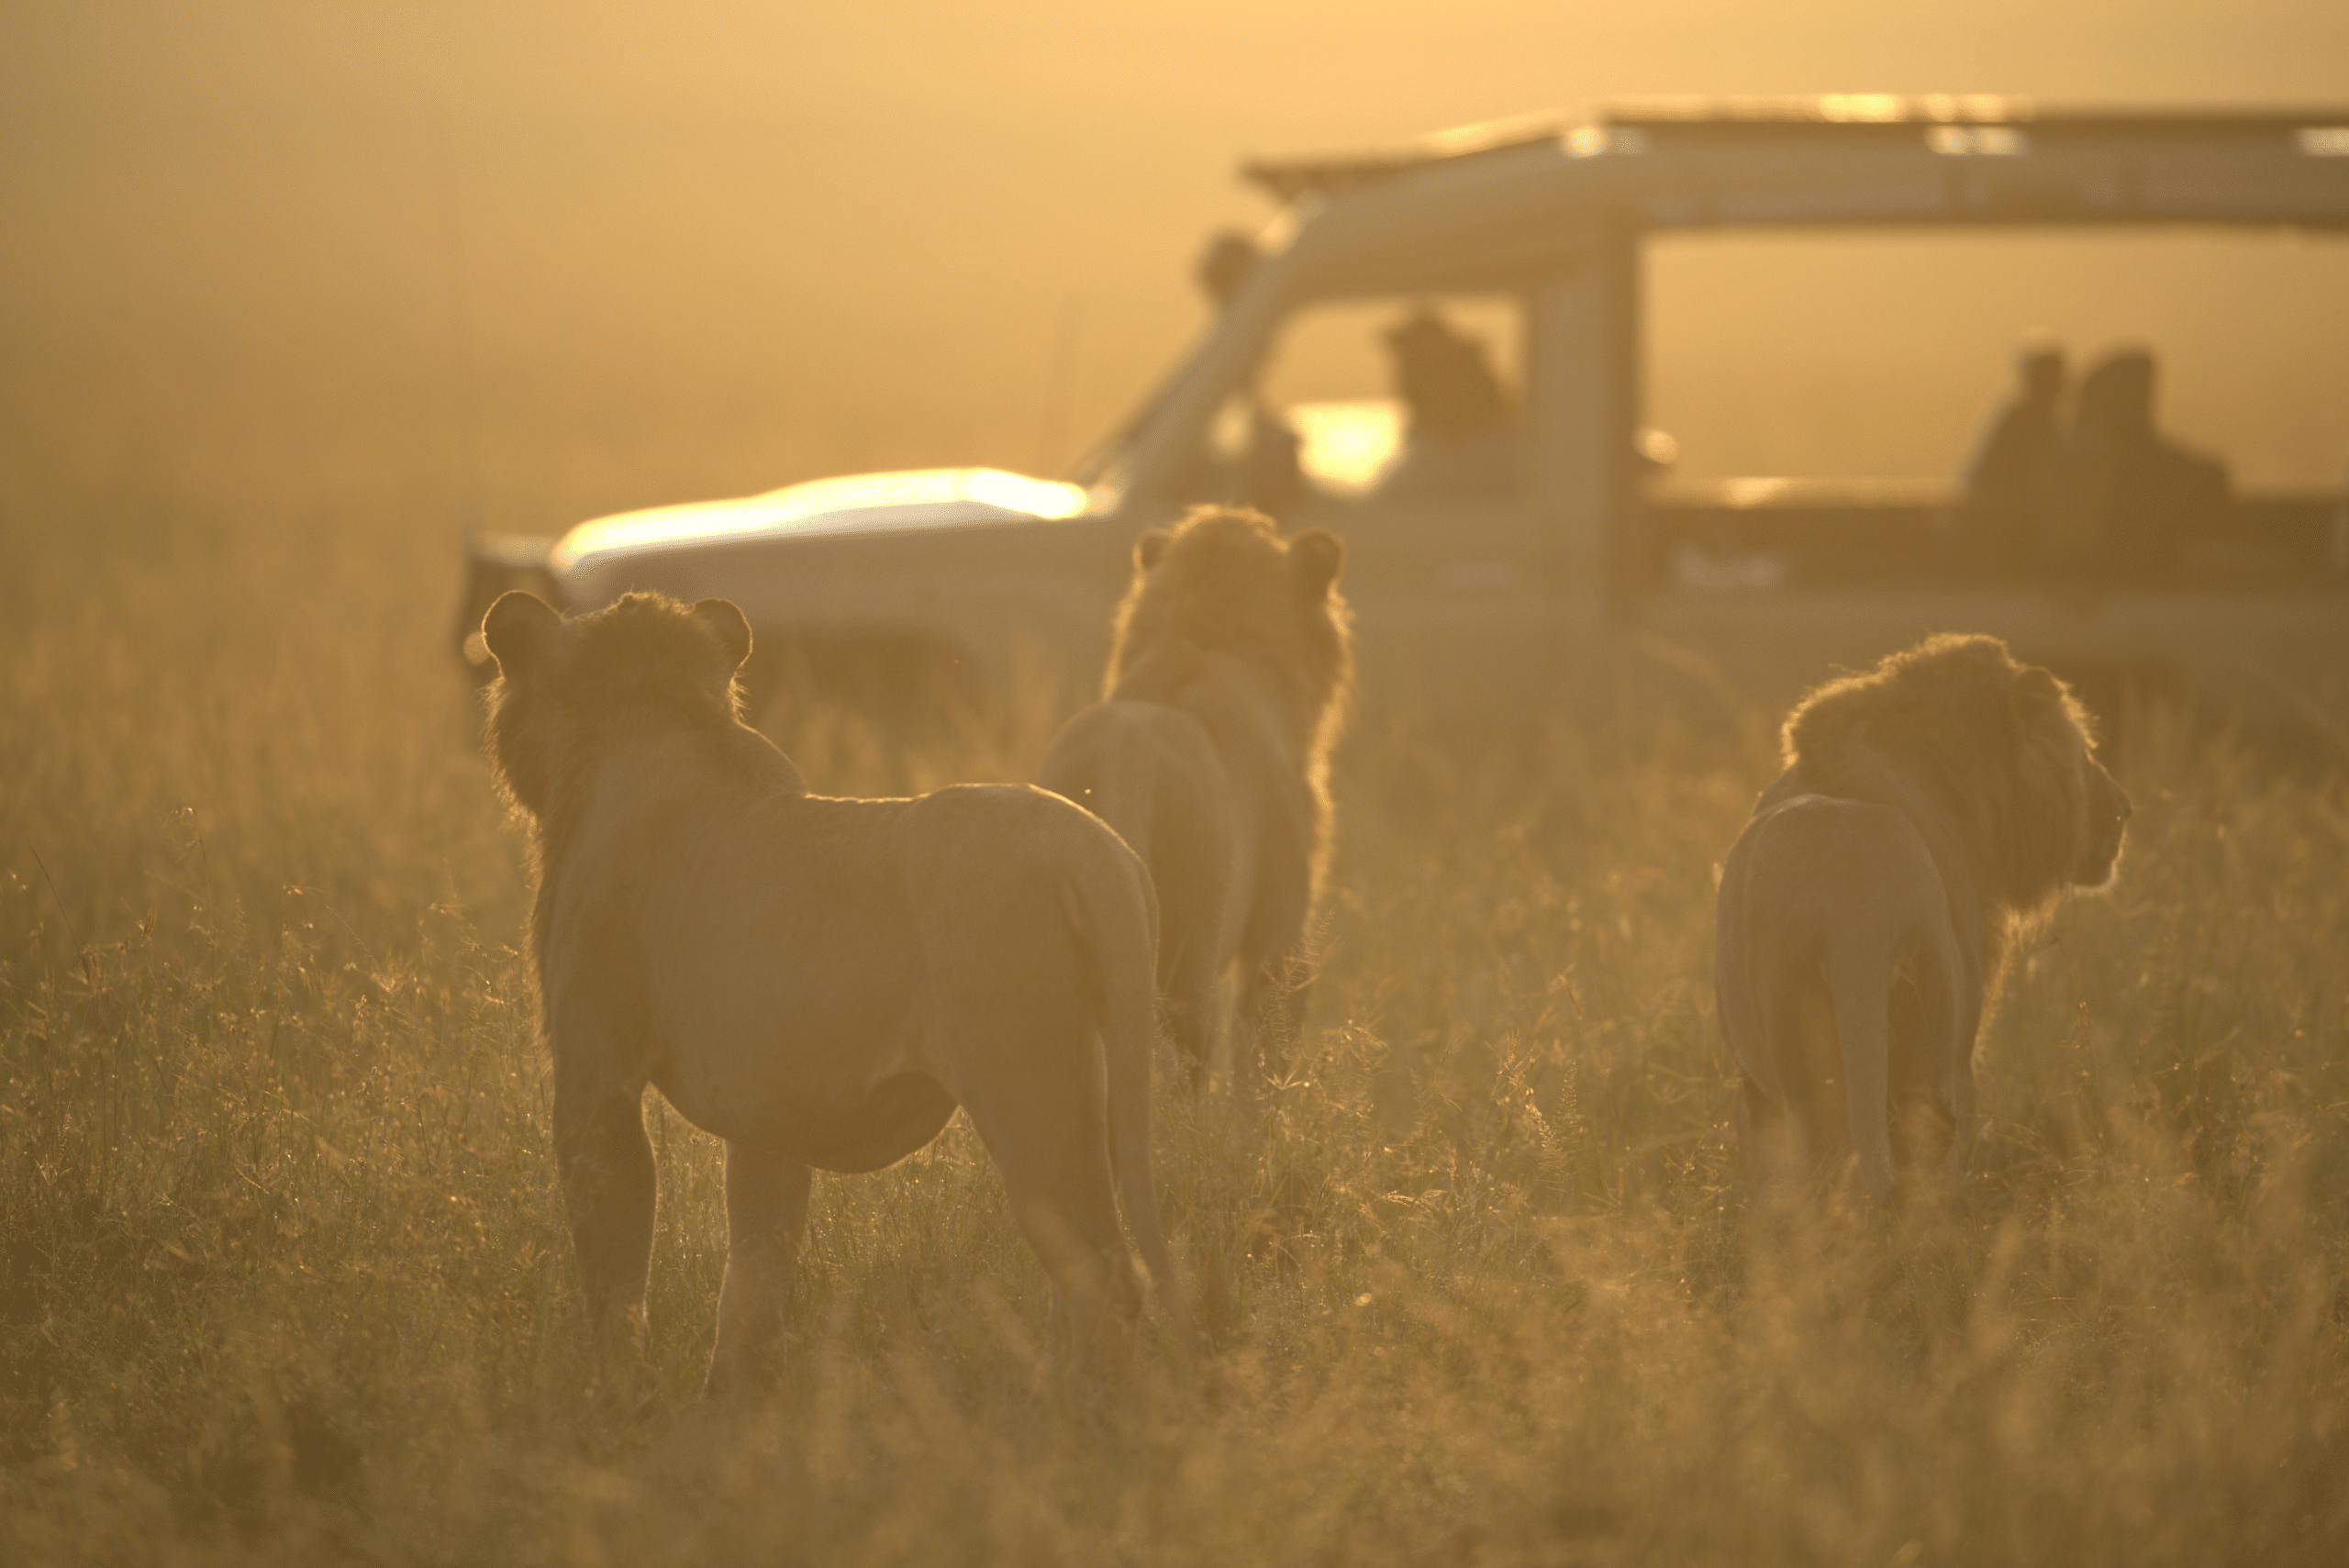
(284, 1275)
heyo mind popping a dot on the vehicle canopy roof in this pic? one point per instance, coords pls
(1501, 206)
(1873, 158)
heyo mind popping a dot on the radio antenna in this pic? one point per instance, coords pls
(456, 291)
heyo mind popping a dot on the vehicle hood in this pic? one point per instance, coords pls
(858, 504)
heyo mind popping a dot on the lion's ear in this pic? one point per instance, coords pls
(725, 617)
(2035, 687)
(520, 629)
(1315, 556)
(1150, 547)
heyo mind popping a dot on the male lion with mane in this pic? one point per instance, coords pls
(1225, 690)
(1930, 810)
(818, 981)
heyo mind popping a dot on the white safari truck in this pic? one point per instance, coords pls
(1516, 517)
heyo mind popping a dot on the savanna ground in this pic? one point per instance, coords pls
(283, 1275)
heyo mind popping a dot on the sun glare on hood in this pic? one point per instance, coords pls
(863, 503)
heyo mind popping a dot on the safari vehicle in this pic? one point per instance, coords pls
(1530, 527)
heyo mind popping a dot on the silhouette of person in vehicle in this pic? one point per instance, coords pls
(1456, 439)
(1265, 471)
(2123, 496)
(1225, 265)
(2000, 512)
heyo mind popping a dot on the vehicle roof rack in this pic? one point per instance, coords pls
(1847, 120)
(1286, 179)
(1855, 116)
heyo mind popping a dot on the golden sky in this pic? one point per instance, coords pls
(812, 238)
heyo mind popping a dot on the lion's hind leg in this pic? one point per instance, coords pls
(605, 1163)
(1277, 974)
(1765, 1144)
(1192, 894)
(1924, 1130)
(1860, 982)
(1191, 870)
(1050, 1142)
(1192, 1027)
(1802, 1048)
(766, 1211)
(1933, 1070)
(1152, 774)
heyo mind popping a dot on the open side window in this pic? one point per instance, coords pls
(1401, 398)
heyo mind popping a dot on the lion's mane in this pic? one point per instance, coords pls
(1224, 580)
(1998, 746)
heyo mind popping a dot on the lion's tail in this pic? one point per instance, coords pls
(1860, 984)
(1122, 952)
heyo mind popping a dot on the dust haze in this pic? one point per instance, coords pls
(597, 261)
(290, 294)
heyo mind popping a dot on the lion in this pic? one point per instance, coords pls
(1230, 672)
(818, 981)
(1931, 809)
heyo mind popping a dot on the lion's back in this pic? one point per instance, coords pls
(1812, 860)
(1809, 874)
(971, 846)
